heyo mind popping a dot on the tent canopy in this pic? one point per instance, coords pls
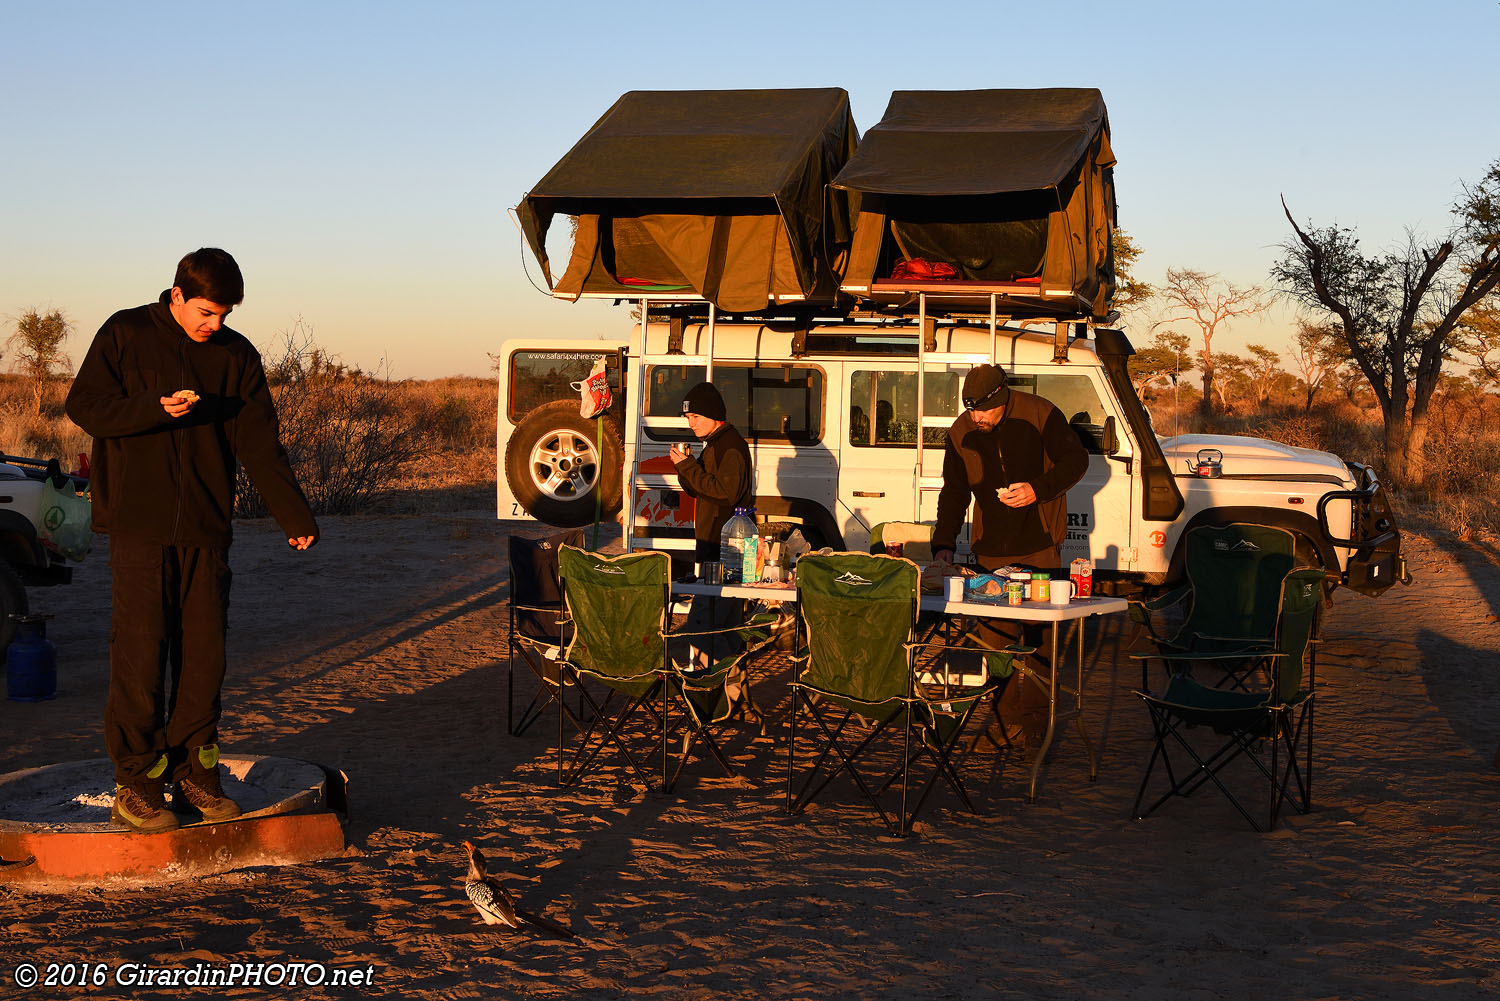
(1005, 185)
(720, 194)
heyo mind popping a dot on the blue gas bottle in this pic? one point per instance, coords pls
(31, 661)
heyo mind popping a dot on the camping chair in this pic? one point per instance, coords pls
(618, 611)
(1234, 575)
(535, 634)
(857, 680)
(1278, 716)
(616, 621)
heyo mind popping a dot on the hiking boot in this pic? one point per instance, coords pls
(143, 809)
(200, 790)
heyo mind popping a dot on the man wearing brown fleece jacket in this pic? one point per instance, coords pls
(1015, 455)
(176, 402)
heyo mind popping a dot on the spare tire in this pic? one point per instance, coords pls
(554, 465)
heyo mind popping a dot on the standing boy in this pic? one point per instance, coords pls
(176, 402)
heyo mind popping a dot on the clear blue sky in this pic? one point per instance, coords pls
(359, 158)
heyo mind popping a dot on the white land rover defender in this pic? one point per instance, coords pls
(836, 292)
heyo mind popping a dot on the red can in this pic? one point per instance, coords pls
(894, 549)
(1082, 572)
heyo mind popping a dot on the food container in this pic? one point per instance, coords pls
(1082, 574)
(1041, 587)
(713, 572)
(1015, 592)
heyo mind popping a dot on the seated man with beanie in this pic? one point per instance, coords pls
(719, 481)
(1015, 456)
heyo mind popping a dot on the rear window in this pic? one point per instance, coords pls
(538, 377)
(765, 402)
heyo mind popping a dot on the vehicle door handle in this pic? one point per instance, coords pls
(869, 493)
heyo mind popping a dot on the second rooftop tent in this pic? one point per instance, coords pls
(720, 195)
(1014, 189)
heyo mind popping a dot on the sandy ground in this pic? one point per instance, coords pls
(381, 652)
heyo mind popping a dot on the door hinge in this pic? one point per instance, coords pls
(1132, 554)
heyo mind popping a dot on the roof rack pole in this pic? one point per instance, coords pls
(708, 374)
(633, 442)
(921, 466)
(994, 333)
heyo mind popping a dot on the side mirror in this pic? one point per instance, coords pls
(1111, 443)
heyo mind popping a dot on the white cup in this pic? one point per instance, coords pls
(955, 588)
(1061, 592)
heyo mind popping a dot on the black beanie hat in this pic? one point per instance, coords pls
(985, 389)
(705, 401)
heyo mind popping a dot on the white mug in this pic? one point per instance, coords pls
(1061, 592)
(955, 588)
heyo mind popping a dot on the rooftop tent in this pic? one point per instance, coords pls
(1013, 188)
(718, 194)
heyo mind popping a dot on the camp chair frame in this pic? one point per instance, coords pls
(536, 653)
(705, 693)
(1281, 716)
(874, 688)
(1234, 574)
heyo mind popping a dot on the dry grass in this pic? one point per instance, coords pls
(452, 466)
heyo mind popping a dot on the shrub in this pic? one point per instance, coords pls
(347, 433)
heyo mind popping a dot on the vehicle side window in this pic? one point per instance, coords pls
(883, 405)
(538, 377)
(766, 402)
(1078, 400)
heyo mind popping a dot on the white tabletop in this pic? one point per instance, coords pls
(1030, 611)
(756, 592)
(1027, 611)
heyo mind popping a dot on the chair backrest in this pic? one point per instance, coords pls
(618, 605)
(859, 611)
(534, 582)
(914, 538)
(1301, 591)
(1236, 573)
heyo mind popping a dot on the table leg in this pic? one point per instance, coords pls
(1041, 753)
(1078, 707)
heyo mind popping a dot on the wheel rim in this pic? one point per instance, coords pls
(564, 465)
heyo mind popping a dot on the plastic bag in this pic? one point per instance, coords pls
(593, 392)
(66, 519)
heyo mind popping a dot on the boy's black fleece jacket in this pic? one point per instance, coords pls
(167, 480)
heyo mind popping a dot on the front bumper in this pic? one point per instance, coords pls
(1374, 543)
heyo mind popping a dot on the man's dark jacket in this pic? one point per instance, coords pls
(720, 480)
(1031, 444)
(171, 481)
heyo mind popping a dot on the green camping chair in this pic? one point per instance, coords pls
(1234, 575)
(857, 680)
(1279, 717)
(616, 623)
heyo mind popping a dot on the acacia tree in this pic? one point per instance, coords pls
(1130, 293)
(1399, 309)
(1263, 369)
(1168, 356)
(1316, 351)
(1208, 301)
(38, 346)
(1479, 337)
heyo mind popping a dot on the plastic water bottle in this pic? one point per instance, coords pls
(733, 545)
